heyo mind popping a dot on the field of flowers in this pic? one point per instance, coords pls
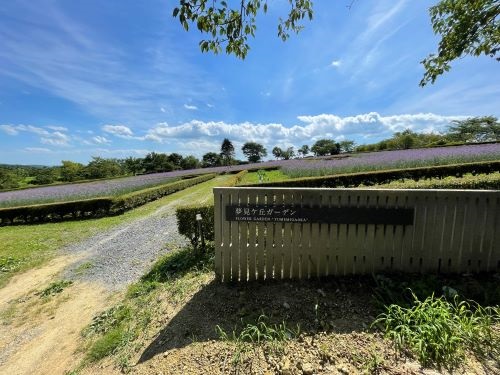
(292, 168)
(391, 159)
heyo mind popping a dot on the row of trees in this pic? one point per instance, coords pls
(471, 130)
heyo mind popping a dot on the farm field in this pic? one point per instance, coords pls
(307, 167)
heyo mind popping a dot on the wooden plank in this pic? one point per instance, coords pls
(495, 249)
(472, 236)
(305, 240)
(448, 214)
(345, 261)
(226, 239)
(287, 240)
(269, 239)
(243, 239)
(352, 255)
(297, 230)
(379, 256)
(388, 251)
(421, 211)
(218, 227)
(252, 241)
(369, 248)
(397, 233)
(492, 225)
(456, 242)
(434, 227)
(363, 251)
(261, 240)
(315, 260)
(235, 241)
(324, 240)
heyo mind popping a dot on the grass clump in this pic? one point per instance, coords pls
(54, 288)
(108, 344)
(439, 332)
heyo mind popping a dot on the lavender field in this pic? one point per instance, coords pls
(293, 168)
(391, 159)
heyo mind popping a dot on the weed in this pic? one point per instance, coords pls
(438, 332)
(141, 289)
(108, 320)
(108, 344)
(83, 268)
(273, 335)
(9, 264)
(54, 288)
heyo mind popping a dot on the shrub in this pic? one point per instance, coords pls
(186, 216)
(386, 176)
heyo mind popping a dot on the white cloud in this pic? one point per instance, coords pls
(118, 130)
(37, 149)
(336, 63)
(55, 139)
(190, 107)
(210, 105)
(57, 128)
(162, 109)
(369, 127)
(9, 129)
(101, 140)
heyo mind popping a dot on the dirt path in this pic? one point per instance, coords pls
(41, 335)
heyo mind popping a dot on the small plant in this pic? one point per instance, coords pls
(439, 332)
(84, 267)
(256, 333)
(54, 288)
(107, 320)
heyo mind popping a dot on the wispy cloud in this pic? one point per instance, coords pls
(37, 149)
(9, 129)
(55, 139)
(101, 140)
(336, 63)
(190, 107)
(118, 130)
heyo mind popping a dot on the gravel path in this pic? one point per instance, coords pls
(121, 255)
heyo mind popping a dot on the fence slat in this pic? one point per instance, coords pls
(235, 240)
(252, 242)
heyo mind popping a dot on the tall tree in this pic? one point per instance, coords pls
(190, 162)
(254, 151)
(346, 146)
(304, 150)
(277, 152)
(227, 152)
(211, 159)
(324, 147)
(71, 171)
(466, 27)
(475, 129)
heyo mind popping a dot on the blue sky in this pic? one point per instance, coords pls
(122, 78)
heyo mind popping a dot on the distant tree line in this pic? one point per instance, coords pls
(470, 130)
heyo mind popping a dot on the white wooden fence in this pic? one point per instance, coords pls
(448, 231)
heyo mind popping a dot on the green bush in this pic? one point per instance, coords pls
(482, 181)
(186, 216)
(386, 176)
(90, 208)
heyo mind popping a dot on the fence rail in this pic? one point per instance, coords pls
(451, 231)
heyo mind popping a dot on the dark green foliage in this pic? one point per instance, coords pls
(45, 176)
(253, 151)
(71, 171)
(8, 179)
(188, 226)
(324, 147)
(227, 152)
(103, 168)
(385, 176)
(228, 25)
(475, 129)
(211, 159)
(190, 162)
(91, 208)
(466, 28)
(304, 150)
(157, 162)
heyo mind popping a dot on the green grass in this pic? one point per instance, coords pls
(439, 332)
(468, 181)
(267, 176)
(24, 247)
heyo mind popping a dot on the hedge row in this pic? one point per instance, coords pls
(475, 182)
(386, 176)
(186, 216)
(91, 208)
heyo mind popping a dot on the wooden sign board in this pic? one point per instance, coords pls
(333, 215)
